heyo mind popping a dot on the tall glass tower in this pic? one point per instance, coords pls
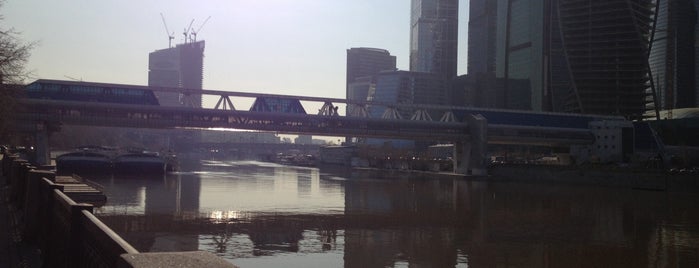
(674, 53)
(481, 36)
(606, 44)
(433, 36)
(578, 56)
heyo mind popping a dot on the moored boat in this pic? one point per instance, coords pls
(139, 163)
(83, 162)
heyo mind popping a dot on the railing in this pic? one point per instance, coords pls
(69, 235)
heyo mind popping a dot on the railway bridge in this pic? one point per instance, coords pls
(50, 103)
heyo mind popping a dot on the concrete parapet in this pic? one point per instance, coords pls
(173, 259)
(32, 205)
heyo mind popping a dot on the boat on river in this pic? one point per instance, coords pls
(84, 161)
(105, 160)
(139, 163)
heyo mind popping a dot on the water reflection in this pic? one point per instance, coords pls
(258, 214)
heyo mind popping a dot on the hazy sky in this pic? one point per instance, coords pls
(274, 46)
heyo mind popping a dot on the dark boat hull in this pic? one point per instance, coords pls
(83, 163)
(134, 164)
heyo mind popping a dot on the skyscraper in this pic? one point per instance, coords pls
(520, 50)
(181, 66)
(673, 57)
(578, 56)
(606, 47)
(481, 36)
(433, 36)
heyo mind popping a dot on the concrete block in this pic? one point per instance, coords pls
(173, 259)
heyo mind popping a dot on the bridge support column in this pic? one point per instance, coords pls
(469, 156)
(41, 144)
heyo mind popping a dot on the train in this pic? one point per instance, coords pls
(90, 92)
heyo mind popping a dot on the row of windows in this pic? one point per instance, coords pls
(43, 90)
(54, 88)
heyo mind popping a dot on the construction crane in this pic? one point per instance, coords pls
(186, 31)
(170, 36)
(194, 33)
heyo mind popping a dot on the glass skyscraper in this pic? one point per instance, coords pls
(520, 50)
(433, 36)
(606, 46)
(481, 36)
(674, 53)
(578, 56)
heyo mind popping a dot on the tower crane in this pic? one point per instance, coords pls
(186, 31)
(169, 35)
(194, 33)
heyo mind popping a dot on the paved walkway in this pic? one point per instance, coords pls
(13, 253)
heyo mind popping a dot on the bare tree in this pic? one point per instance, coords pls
(13, 58)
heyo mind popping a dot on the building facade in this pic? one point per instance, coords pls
(581, 57)
(433, 36)
(181, 66)
(362, 64)
(481, 36)
(406, 87)
(673, 56)
(606, 47)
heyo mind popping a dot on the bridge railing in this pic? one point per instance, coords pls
(69, 235)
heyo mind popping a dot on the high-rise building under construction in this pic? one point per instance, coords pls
(181, 66)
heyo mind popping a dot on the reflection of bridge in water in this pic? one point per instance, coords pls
(434, 222)
(51, 103)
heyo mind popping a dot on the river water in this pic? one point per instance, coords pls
(256, 214)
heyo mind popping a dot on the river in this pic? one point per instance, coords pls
(257, 214)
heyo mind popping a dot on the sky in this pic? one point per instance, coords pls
(268, 46)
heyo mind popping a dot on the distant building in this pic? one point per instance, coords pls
(674, 53)
(304, 139)
(434, 37)
(362, 64)
(181, 66)
(406, 87)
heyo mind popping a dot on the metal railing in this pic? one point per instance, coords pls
(67, 233)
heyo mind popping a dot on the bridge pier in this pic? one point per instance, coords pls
(469, 156)
(41, 144)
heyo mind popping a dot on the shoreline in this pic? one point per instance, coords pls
(641, 179)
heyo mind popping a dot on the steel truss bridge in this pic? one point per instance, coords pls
(457, 124)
